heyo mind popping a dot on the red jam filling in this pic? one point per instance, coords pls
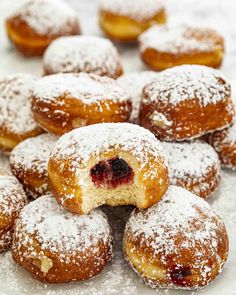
(179, 275)
(111, 173)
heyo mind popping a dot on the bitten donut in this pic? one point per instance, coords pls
(35, 24)
(87, 54)
(12, 200)
(224, 143)
(194, 166)
(162, 47)
(134, 83)
(178, 243)
(125, 20)
(16, 120)
(29, 161)
(110, 163)
(56, 246)
(186, 102)
(63, 102)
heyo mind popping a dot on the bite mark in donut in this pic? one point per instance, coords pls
(111, 173)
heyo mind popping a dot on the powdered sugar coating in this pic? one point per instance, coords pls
(59, 231)
(15, 105)
(12, 196)
(80, 144)
(180, 39)
(33, 153)
(89, 88)
(190, 159)
(140, 10)
(47, 17)
(179, 222)
(76, 54)
(134, 83)
(188, 82)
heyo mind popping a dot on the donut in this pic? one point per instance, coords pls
(75, 54)
(224, 143)
(134, 83)
(12, 200)
(125, 20)
(35, 24)
(109, 163)
(16, 120)
(55, 246)
(29, 161)
(178, 243)
(165, 46)
(62, 102)
(194, 166)
(186, 102)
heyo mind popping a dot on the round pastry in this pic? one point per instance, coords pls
(16, 121)
(56, 246)
(224, 143)
(111, 163)
(178, 243)
(194, 166)
(162, 47)
(62, 102)
(186, 102)
(87, 54)
(125, 20)
(35, 24)
(134, 83)
(29, 161)
(12, 200)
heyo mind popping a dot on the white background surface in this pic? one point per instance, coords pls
(118, 278)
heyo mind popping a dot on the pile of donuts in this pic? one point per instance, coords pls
(85, 135)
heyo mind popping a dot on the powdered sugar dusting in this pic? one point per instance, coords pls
(180, 39)
(179, 214)
(33, 153)
(76, 54)
(187, 82)
(134, 83)
(90, 141)
(141, 9)
(59, 231)
(15, 105)
(12, 196)
(190, 159)
(87, 87)
(47, 16)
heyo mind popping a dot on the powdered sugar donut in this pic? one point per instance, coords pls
(162, 47)
(29, 161)
(134, 83)
(178, 243)
(194, 166)
(35, 24)
(111, 163)
(62, 102)
(186, 102)
(16, 120)
(125, 20)
(87, 54)
(224, 143)
(12, 200)
(56, 246)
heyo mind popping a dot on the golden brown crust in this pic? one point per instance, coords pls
(29, 42)
(78, 249)
(180, 51)
(176, 255)
(125, 29)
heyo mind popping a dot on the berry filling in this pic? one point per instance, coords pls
(179, 275)
(111, 173)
